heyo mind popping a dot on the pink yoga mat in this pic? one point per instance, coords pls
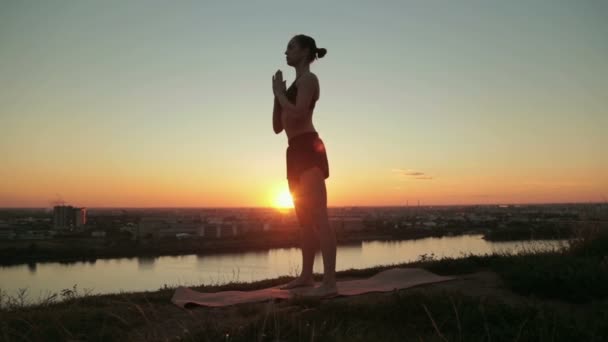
(391, 279)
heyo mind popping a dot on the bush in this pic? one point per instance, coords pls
(557, 276)
(591, 241)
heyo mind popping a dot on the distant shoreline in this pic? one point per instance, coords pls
(20, 252)
(90, 249)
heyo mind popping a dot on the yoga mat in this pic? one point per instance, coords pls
(388, 280)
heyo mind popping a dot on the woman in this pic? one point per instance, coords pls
(307, 166)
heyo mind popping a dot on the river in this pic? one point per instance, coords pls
(151, 273)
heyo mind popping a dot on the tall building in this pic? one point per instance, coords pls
(61, 216)
(80, 216)
(66, 216)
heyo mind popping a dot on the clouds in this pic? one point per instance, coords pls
(412, 174)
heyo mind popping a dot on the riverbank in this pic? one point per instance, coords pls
(533, 296)
(89, 249)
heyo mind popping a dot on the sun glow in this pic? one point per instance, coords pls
(283, 199)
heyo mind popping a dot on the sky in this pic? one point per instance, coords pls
(169, 103)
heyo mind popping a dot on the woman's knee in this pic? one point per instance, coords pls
(315, 211)
(303, 213)
(319, 217)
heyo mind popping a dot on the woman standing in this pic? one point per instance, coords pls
(307, 165)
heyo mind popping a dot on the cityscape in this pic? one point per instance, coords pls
(215, 223)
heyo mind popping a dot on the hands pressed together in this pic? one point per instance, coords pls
(278, 84)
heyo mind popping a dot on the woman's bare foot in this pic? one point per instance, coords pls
(323, 290)
(299, 282)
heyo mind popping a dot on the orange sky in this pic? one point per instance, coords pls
(169, 105)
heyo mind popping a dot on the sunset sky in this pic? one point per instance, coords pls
(169, 103)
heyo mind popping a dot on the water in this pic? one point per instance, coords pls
(152, 273)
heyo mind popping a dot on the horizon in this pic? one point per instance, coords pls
(149, 104)
(340, 206)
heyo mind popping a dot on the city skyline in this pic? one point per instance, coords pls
(155, 104)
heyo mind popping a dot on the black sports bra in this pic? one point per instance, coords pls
(292, 93)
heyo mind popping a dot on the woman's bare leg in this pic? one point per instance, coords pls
(313, 180)
(307, 243)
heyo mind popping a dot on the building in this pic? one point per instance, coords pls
(347, 223)
(80, 216)
(66, 216)
(160, 227)
(149, 227)
(174, 229)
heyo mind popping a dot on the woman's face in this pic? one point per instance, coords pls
(294, 54)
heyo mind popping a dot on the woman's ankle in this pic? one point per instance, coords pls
(329, 281)
(306, 276)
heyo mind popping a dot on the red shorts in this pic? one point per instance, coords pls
(305, 151)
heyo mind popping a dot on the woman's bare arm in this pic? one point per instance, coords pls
(277, 124)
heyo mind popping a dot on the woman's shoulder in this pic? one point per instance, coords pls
(308, 78)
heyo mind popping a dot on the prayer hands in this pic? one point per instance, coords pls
(278, 84)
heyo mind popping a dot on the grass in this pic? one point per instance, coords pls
(415, 315)
(564, 291)
(576, 272)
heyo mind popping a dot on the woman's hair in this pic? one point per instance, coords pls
(305, 41)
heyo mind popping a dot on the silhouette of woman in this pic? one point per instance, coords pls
(307, 165)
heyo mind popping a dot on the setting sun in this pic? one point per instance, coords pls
(283, 199)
